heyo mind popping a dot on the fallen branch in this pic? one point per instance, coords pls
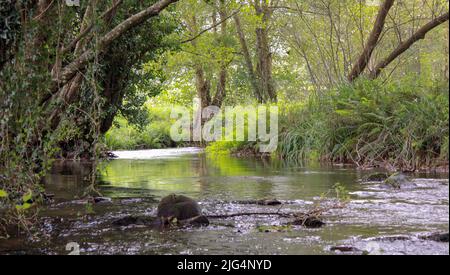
(225, 216)
(312, 219)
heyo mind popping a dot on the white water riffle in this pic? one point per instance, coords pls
(157, 153)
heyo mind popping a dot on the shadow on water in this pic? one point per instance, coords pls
(138, 180)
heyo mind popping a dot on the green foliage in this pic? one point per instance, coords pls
(227, 147)
(341, 193)
(301, 131)
(403, 124)
(35, 126)
(230, 145)
(155, 135)
(9, 29)
(89, 209)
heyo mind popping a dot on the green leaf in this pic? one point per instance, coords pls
(24, 206)
(344, 112)
(3, 193)
(28, 196)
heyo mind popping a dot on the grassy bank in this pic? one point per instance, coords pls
(400, 125)
(154, 135)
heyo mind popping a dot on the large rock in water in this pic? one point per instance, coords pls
(375, 177)
(397, 180)
(437, 237)
(181, 208)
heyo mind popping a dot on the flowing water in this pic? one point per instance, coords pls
(377, 219)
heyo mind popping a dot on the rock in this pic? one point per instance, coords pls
(179, 207)
(344, 248)
(111, 155)
(397, 180)
(271, 202)
(101, 200)
(379, 177)
(437, 237)
(309, 222)
(391, 238)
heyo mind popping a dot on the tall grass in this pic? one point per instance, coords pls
(403, 125)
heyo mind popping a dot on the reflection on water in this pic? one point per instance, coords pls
(139, 179)
(222, 177)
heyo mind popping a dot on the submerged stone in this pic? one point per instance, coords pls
(397, 180)
(343, 248)
(309, 222)
(101, 200)
(269, 202)
(437, 237)
(376, 177)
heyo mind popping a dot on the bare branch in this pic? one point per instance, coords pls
(211, 27)
(418, 35)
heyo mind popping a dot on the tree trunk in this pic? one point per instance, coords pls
(203, 85)
(264, 64)
(221, 88)
(372, 42)
(222, 77)
(248, 59)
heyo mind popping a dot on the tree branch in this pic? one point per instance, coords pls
(211, 27)
(365, 56)
(69, 71)
(402, 47)
(86, 30)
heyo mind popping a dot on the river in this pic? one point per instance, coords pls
(377, 219)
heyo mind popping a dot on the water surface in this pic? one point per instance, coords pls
(373, 220)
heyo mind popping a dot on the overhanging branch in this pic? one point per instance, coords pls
(418, 35)
(79, 64)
